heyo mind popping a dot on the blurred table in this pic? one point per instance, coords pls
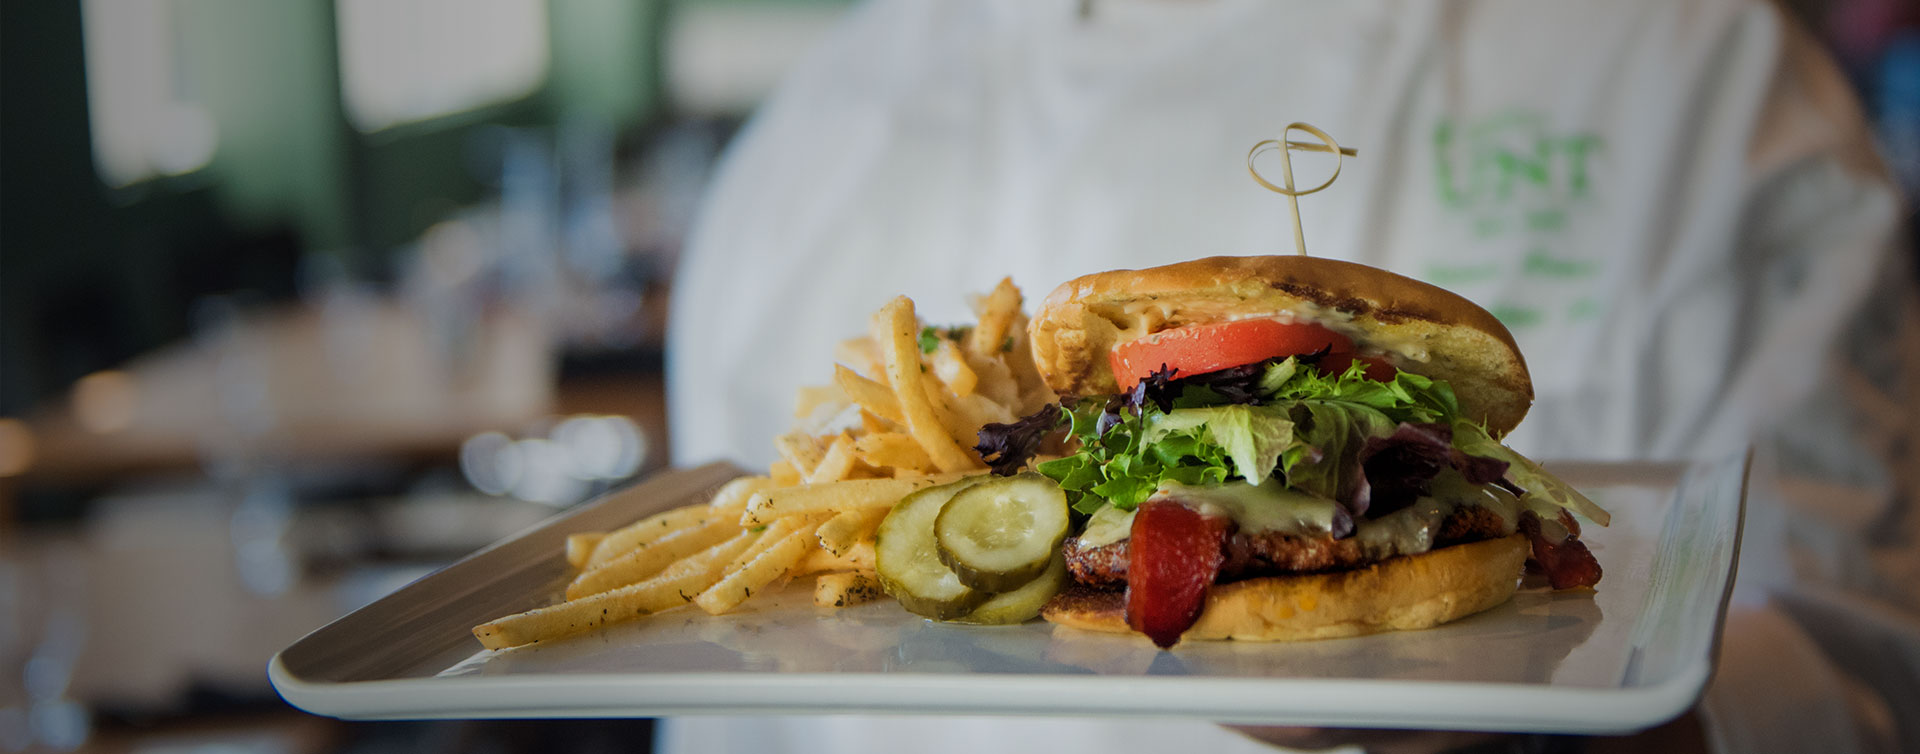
(301, 383)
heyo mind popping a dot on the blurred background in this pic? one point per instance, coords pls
(301, 300)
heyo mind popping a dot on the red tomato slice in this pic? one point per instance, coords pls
(1199, 349)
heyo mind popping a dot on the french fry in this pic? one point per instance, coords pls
(892, 449)
(859, 353)
(652, 528)
(875, 425)
(767, 536)
(953, 420)
(996, 381)
(772, 534)
(953, 370)
(786, 550)
(734, 493)
(800, 450)
(783, 474)
(845, 589)
(674, 587)
(838, 460)
(580, 547)
(980, 411)
(893, 329)
(997, 313)
(818, 506)
(809, 399)
(862, 555)
(857, 558)
(771, 505)
(840, 533)
(870, 395)
(640, 564)
(1034, 392)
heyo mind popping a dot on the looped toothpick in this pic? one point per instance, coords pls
(1284, 145)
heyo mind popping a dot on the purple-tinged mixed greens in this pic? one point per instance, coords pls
(1373, 447)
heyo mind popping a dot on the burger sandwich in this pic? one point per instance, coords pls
(1286, 448)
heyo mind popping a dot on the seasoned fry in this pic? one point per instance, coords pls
(872, 424)
(859, 353)
(671, 588)
(857, 558)
(817, 508)
(894, 330)
(838, 460)
(980, 411)
(953, 370)
(734, 494)
(996, 382)
(771, 563)
(1034, 392)
(770, 505)
(954, 422)
(651, 528)
(649, 559)
(845, 589)
(811, 398)
(870, 395)
(997, 313)
(840, 533)
(783, 474)
(801, 450)
(892, 449)
(768, 536)
(580, 547)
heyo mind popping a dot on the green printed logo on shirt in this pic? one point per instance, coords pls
(1519, 186)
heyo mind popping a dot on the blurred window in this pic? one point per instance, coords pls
(410, 60)
(723, 59)
(143, 119)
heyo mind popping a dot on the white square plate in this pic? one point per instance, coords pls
(1631, 655)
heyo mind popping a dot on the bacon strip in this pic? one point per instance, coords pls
(1173, 556)
(1558, 551)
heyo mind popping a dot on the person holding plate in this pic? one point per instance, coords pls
(1674, 207)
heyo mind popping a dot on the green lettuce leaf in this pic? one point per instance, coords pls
(1407, 397)
(1287, 421)
(1338, 431)
(1126, 464)
(1253, 437)
(1540, 486)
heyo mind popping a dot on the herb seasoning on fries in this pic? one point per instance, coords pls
(904, 410)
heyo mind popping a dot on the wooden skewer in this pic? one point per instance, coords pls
(1285, 146)
(1322, 148)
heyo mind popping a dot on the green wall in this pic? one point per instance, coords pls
(270, 82)
(92, 275)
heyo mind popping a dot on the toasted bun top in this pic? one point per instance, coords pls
(1423, 328)
(1398, 594)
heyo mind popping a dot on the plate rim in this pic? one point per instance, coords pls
(1443, 704)
(1591, 710)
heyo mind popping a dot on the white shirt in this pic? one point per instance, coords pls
(1675, 208)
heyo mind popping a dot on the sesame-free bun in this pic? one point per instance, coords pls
(1423, 328)
(1397, 594)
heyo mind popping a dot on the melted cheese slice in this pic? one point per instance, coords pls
(1272, 507)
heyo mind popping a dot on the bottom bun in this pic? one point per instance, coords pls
(1409, 592)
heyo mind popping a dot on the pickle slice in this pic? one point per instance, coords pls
(908, 560)
(1023, 604)
(1000, 534)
